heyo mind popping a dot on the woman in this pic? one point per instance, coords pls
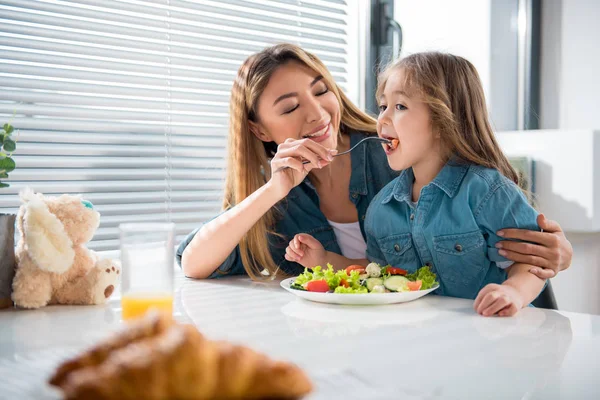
(286, 108)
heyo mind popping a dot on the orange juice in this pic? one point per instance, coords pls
(134, 306)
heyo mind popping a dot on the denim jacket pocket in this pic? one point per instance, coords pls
(398, 251)
(461, 263)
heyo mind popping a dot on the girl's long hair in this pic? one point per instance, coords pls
(451, 88)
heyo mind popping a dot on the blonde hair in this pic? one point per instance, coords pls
(248, 166)
(451, 88)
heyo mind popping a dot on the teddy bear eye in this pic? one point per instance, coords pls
(87, 204)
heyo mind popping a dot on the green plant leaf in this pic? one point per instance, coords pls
(3, 175)
(7, 164)
(8, 128)
(4, 185)
(9, 145)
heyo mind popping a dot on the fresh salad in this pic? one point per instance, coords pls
(358, 279)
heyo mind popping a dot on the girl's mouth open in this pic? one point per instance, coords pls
(391, 146)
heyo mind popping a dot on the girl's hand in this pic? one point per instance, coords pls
(287, 170)
(503, 300)
(306, 251)
(549, 252)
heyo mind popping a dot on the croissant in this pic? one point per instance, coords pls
(180, 363)
(153, 324)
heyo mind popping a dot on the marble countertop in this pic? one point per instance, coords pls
(432, 348)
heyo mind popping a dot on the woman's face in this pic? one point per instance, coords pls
(297, 104)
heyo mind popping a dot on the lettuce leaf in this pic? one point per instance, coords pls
(360, 289)
(333, 278)
(384, 272)
(306, 276)
(425, 275)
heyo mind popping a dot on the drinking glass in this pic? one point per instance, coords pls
(147, 268)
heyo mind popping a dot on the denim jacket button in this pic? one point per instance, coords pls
(363, 217)
(354, 195)
(458, 248)
(397, 248)
(412, 216)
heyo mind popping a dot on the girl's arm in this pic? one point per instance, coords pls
(526, 284)
(309, 252)
(506, 206)
(519, 290)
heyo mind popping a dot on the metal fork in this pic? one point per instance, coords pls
(382, 140)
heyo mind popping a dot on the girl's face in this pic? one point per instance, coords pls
(405, 117)
(297, 104)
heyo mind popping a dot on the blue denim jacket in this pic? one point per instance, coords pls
(452, 228)
(300, 212)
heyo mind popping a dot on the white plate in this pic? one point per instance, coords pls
(356, 299)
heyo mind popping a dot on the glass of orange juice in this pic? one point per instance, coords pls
(147, 255)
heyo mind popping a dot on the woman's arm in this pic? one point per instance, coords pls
(215, 241)
(519, 290)
(548, 252)
(219, 237)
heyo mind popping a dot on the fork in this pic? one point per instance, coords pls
(382, 140)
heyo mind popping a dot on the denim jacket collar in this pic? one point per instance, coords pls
(448, 180)
(451, 176)
(402, 188)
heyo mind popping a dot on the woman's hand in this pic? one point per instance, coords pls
(287, 168)
(306, 251)
(503, 300)
(549, 252)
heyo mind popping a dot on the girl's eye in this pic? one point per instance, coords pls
(321, 93)
(400, 107)
(382, 108)
(291, 109)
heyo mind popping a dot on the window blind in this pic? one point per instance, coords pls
(126, 101)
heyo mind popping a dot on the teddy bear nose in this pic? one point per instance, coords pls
(87, 204)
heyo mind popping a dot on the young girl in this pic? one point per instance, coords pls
(456, 189)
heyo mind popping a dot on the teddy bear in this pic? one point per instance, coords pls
(54, 266)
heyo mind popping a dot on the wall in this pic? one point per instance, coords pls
(570, 55)
(578, 288)
(461, 27)
(559, 155)
(482, 31)
(570, 94)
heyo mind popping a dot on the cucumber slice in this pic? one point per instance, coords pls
(379, 289)
(297, 287)
(372, 282)
(396, 283)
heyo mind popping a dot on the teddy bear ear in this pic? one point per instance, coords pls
(27, 194)
(47, 242)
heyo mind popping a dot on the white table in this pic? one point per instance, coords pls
(433, 348)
